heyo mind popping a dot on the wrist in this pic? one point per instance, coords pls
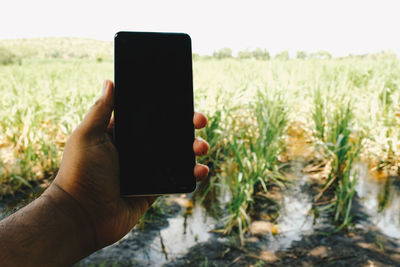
(73, 214)
(53, 230)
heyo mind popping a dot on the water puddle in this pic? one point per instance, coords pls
(201, 213)
(295, 216)
(380, 199)
(155, 246)
(182, 233)
(194, 224)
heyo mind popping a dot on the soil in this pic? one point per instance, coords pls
(364, 246)
(132, 250)
(11, 203)
(359, 248)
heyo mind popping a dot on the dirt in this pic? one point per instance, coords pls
(364, 246)
(10, 203)
(134, 249)
(358, 248)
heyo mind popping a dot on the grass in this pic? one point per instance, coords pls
(59, 48)
(214, 133)
(349, 105)
(335, 130)
(153, 213)
(255, 145)
(40, 106)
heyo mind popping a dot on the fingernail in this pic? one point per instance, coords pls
(105, 86)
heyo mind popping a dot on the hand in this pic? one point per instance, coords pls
(89, 174)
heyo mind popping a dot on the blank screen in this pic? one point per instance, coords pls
(154, 112)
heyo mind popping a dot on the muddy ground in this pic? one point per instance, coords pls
(360, 247)
(364, 245)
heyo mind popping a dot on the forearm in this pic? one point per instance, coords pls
(51, 231)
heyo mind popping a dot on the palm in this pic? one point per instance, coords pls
(89, 173)
(111, 215)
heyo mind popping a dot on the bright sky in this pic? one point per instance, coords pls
(338, 26)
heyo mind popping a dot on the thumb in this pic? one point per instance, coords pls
(96, 121)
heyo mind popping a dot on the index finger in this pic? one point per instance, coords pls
(199, 120)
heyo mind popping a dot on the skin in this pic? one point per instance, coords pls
(82, 210)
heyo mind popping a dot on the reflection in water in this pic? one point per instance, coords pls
(295, 216)
(182, 233)
(202, 211)
(379, 198)
(381, 201)
(385, 195)
(212, 196)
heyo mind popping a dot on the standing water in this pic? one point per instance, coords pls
(380, 199)
(295, 216)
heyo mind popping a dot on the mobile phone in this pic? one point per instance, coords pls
(153, 113)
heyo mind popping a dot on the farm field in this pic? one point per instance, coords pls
(304, 159)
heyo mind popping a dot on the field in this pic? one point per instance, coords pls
(270, 122)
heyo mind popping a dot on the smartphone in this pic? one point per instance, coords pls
(153, 113)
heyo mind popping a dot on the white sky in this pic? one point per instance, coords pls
(340, 27)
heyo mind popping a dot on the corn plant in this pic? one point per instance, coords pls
(214, 134)
(345, 189)
(255, 150)
(41, 104)
(44, 99)
(343, 145)
(319, 115)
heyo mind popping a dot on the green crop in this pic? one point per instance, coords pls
(349, 106)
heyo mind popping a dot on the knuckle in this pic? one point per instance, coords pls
(77, 134)
(97, 103)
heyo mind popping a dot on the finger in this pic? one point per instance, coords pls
(201, 171)
(98, 118)
(200, 147)
(199, 120)
(110, 127)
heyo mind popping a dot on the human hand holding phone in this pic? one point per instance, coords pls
(86, 207)
(89, 173)
(82, 211)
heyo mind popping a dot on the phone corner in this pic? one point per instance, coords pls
(193, 187)
(117, 34)
(186, 36)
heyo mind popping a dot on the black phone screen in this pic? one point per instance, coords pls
(154, 130)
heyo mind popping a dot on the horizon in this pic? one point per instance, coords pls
(234, 54)
(339, 27)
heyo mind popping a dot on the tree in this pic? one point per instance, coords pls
(284, 55)
(7, 57)
(206, 57)
(195, 56)
(225, 52)
(261, 54)
(386, 54)
(321, 54)
(301, 55)
(244, 54)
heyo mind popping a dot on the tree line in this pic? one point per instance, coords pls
(263, 54)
